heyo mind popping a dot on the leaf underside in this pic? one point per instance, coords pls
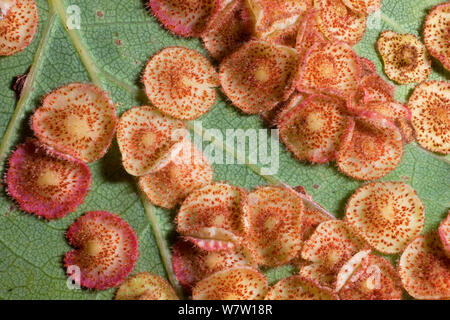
(111, 48)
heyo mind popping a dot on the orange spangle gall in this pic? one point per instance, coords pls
(227, 31)
(332, 244)
(45, 182)
(266, 13)
(272, 219)
(148, 140)
(338, 23)
(430, 109)
(388, 215)
(331, 68)
(145, 286)
(78, 119)
(212, 213)
(192, 264)
(371, 148)
(18, 24)
(363, 6)
(300, 288)
(258, 76)
(376, 95)
(181, 83)
(406, 129)
(444, 234)
(425, 269)
(405, 57)
(187, 18)
(188, 171)
(370, 277)
(398, 114)
(238, 283)
(106, 250)
(312, 131)
(437, 32)
(376, 89)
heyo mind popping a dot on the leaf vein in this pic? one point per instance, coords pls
(27, 90)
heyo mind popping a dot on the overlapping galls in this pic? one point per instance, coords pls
(75, 125)
(279, 50)
(430, 115)
(49, 177)
(276, 225)
(147, 139)
(405, 58)
(181, 83)
(46, 182)
(369, 277)
(188, 171)
(262, 74)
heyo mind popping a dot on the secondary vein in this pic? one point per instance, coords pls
(163, 250)
(397, 27)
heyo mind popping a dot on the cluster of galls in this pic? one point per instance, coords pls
(75, 125)
(227, 234)
(48, 176)
(292, 63)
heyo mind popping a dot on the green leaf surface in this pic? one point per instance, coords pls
(116, 39)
